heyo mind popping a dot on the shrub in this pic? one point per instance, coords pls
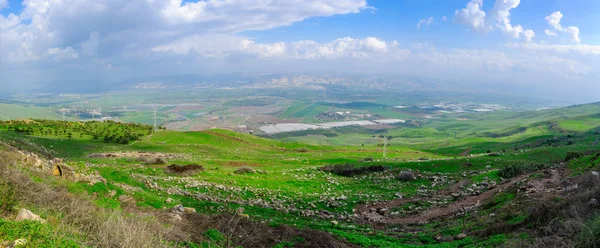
(8, 196)
(302, 149)
(368, 159)
(245, 170)
(150, 160)
(516, 170)
(573, 155)
(349, 170)
(406, 176)
(184, 170)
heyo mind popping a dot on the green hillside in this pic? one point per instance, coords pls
(437, 186)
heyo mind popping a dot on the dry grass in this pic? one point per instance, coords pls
(77, 218)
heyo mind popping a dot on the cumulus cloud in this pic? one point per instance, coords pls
(474, 17)
(3, 4)
(223, 46)
(139, 25)
(425, 21)
(554, 22)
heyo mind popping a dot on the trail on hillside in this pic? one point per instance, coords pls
(370, 213)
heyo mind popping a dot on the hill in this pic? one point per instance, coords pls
(220, 188)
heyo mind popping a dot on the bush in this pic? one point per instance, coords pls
(368, 159)
(573, 155)
(245, 170)
(185, 170)
(8, 196)
(516, 170)
(302, 149)
(406, 176)
(150, 160)
(349, 170)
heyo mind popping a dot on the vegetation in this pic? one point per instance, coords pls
(448, 184)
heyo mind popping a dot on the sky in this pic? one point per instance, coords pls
(546, 46)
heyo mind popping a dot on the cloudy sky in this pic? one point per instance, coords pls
(550, 45)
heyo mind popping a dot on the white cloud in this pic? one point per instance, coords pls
(554, 22)
(444, 18)
(583, 49)
(58, 54)
(342, 48)
(3, 4)
(264, 50)
(8, 22)
(478, 20)
(550, 32)
(425, 21)
(472, 16)
(255, 14)
(135, 26)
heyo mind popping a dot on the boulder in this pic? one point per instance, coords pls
(179, 209)
(461, 236)
(168, 201)
(25, 214)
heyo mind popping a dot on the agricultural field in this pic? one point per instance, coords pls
(436, 184)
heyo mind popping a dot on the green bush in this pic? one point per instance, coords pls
(516, 170)
(8, 196)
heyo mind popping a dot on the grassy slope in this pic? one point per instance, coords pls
(291, 175)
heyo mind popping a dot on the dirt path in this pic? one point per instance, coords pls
(366, 211)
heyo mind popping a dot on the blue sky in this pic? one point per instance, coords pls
(397, 20)
(552, 45)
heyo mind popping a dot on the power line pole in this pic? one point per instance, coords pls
(384, 147)
(155, 128)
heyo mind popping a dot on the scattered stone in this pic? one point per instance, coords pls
(112, 193)
(25, 214)
(20, 242)
(6, 244)
(189, 210)
(179, 209)
(595, 173)
(334, 223)
(461, 236)
(168, 201)
(173, 217)
(593, 202)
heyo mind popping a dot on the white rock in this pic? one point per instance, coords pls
(25, 214)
